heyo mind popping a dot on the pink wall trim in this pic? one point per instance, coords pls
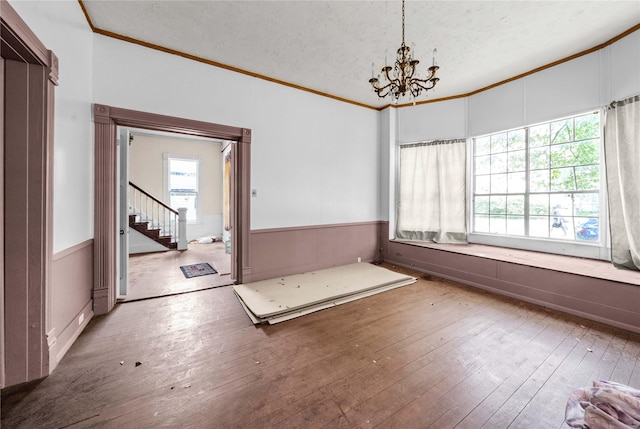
(29, 144)
(606, 301)
(71, 287)
(283, 251)
(106, 119)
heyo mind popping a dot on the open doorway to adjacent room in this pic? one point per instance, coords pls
(160, 173)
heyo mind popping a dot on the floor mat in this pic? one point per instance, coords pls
(276, 300)
(197, 270)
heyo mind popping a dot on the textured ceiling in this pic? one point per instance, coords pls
(329, 46)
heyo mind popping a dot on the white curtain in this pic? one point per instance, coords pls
(432, 197)
(622, 161)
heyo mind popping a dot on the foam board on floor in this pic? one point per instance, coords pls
(279, 299)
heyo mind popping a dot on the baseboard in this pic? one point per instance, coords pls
(59, 345)
(542, 303)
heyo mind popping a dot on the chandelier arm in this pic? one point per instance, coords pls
(426, 84)
(386, 71)
(389, 87)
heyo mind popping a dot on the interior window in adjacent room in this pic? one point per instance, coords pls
(183, 184)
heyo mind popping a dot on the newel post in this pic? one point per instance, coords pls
(182, 228)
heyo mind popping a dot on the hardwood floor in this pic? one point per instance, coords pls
(158, 274)
(434, 354)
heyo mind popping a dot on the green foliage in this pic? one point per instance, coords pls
(563, 171)
(539, 135)
(516, 139)
(561, 131)
(516, 160)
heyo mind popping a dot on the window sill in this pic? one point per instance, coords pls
(561, 263)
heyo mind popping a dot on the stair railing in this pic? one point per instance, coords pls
(150, 209)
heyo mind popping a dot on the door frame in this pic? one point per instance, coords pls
(106, 120)
(24, 350)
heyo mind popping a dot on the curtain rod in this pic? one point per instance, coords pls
(433, 143)
(616, 103)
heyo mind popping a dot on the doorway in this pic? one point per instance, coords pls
(106, 121)
(160, 172)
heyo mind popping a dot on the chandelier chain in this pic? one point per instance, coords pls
(403, 23)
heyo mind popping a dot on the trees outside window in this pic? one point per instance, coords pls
(541, 181)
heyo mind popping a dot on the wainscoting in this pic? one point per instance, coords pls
(70, 297)
(284, 251)
(583, 287)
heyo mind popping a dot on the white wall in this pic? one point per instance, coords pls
(314, 160)
(587, 82)
(62, 27)
(432, 121)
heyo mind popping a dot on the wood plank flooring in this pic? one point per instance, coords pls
(159, 274)
(434, 354)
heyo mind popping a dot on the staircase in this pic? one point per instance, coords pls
(153, 233)
(153, 218)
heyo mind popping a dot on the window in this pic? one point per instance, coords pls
(182, 184)
(541, 181)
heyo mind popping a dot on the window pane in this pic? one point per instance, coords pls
(186, 200)
(483, 164)
(539, 204)
(482, 145)
(183, 174)
(481, 205)
(539, 158)
(587, 204)
(562, 131)
(587, 152)
(483, 184)
(516, 183)
(515, 204)
(481, 223)
(516, 161)
(539, 135)
(587, 126)
(498, 224)
(498, 204)
(498, 183)
(516, 140)
(499, 143)
(539, 226)
(587, 229)
(539, 181)
(499, 163)
(562, 155)
(563, 179)
(515, 225)
(588, 178)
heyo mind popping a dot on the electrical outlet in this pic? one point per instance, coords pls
(359, 259)
(81, 319)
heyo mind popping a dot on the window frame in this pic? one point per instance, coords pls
(167, 157)
(593, 250)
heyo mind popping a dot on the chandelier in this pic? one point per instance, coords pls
(399, 79)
